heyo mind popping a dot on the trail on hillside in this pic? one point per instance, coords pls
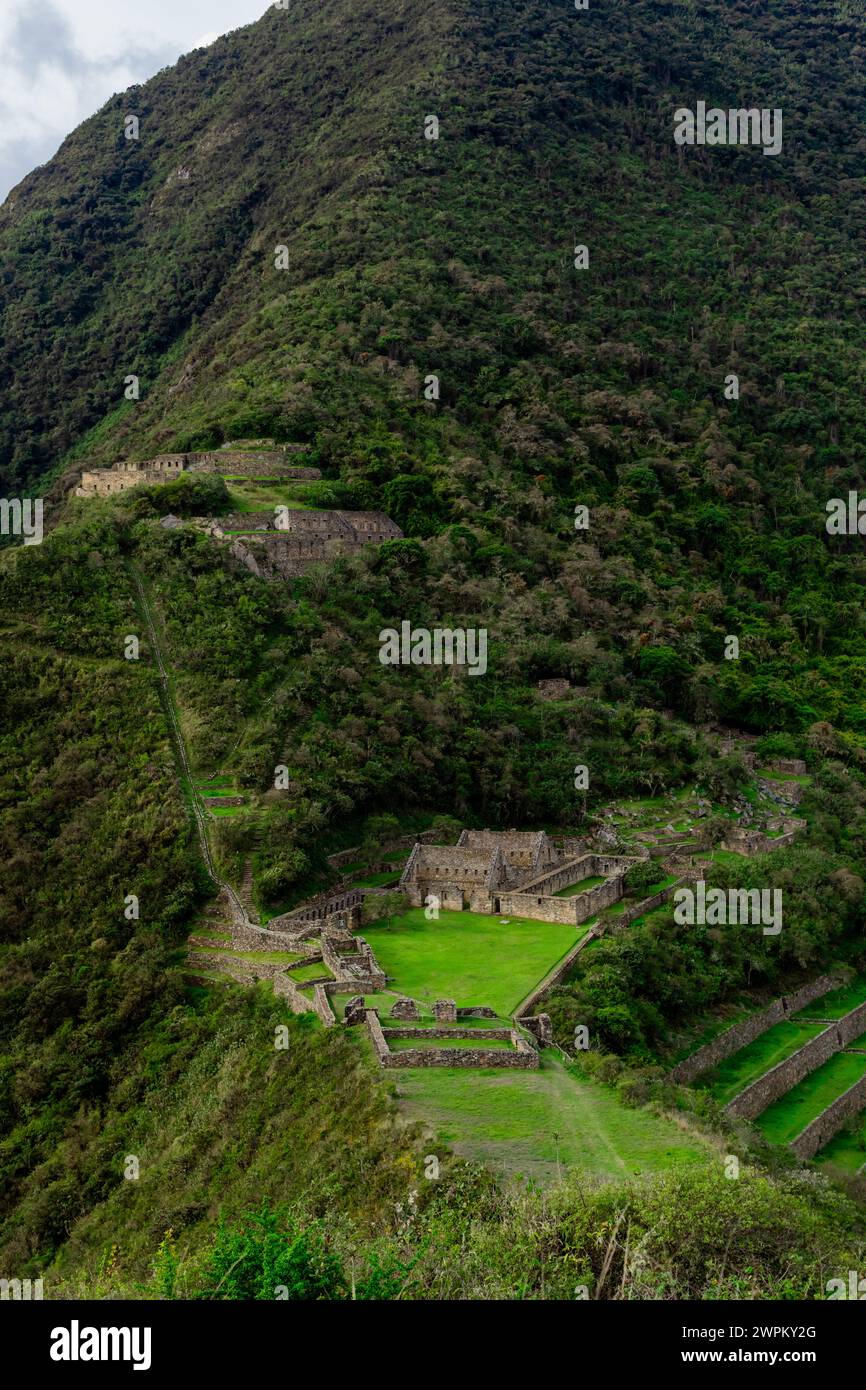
(238, 910)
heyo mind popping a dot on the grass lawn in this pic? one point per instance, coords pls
(468, 957)
(225, 810)
(377, 880)
(736, 1072)
(725, 856)
(785, 1119)
(769, 776)
(847, 1150)
(585, 883)
(275, 957)
(508, 1119)
(403, 1044)
(319, 971)
(262, 497)
(837, 1002)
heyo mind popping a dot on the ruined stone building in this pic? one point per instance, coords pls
(267, 466)
(301, 539)
(520, 873)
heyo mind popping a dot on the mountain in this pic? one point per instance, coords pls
(302, 142)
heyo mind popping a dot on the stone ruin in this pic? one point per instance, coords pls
(405, 1009)
(445, 1011)
(354, 1011)
(513, 872)
(541, 1028)
(274, 465)
(285, 544)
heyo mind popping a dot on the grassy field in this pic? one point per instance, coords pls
(837, 1002)
(585, 883)
(263, 497)
(784, 1120)
(319, 971)
(468, 957)
(736, 1072)
(511, 1120)
(847, 1150)
(403, 1044)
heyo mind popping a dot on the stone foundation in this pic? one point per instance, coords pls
(524, 1055)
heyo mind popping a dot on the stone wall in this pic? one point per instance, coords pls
(745, 1032)
(524, 1056)
(356, 966)
(569, 911)
(285, 988)
(830, 1121)
(502, 1034)
(246, 972)
(779, 1079)
(244, 463)
(321, 909)
(476, 1011)
(251, 938)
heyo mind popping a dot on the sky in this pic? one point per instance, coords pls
(60, 60)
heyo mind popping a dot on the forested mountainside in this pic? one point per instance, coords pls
(561, 387)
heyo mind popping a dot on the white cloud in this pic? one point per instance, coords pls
(60, 60)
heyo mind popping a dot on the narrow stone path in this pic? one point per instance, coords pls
(238, 910)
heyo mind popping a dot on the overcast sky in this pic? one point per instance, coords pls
(60, 60)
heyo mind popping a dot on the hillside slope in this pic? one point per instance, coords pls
(604, 387)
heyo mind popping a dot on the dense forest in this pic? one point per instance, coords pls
(559, 388)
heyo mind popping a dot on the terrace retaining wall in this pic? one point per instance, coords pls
(830, 1121)
(780, 1079)
(748, 1029)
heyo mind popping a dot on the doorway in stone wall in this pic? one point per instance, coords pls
(496, 906)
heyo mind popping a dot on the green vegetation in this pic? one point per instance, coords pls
(559, 388)
(837, 1002)
(735, 1073)
(789, 1115)
(468, 957)
(585, 883)
(511, 1120)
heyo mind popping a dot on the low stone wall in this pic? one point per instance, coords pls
(830, 1121)
(501, 1034)
(779, 1079)
(524, 1056)
(250, 938)
(246, 972)
(285, 988)
(476, 1011)
(568, 911)
(748, 1029)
